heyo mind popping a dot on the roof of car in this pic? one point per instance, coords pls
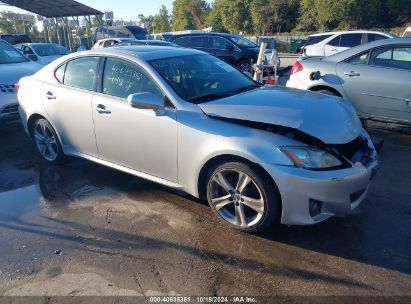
(146, 53)
(203, 33)
(352, 32)
(362, 48)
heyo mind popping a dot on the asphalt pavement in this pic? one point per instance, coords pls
(84, 229)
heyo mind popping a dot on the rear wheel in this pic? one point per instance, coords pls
(47, 142)
(242, 197)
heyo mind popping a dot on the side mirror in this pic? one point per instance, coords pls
(229, 47)
(33, 57)
(146, 101)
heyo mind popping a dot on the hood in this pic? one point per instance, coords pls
(329, 119)
(11, 73)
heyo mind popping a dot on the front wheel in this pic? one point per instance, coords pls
(47, 142)
(242, 197)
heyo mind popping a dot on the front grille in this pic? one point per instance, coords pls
(12, 109)
(7, 88)
(356, 151)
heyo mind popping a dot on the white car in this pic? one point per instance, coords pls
(42, 53)
(330, 43)
(103, 43)
(13, 66)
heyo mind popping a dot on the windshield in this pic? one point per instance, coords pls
(49, 50)
(201, 78)
(241, 41)
(9, 54)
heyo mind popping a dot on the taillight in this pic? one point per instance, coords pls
(17, 87)
(297, 67)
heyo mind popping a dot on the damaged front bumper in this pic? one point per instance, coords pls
(330, 193)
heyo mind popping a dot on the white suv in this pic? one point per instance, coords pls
(326, 44)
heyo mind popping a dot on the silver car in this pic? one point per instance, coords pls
(188, 120)
(13, 66)
(375, 77)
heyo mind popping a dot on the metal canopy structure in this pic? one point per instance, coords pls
(54, 8)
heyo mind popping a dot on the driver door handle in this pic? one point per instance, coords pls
(102, 109)
(49, 95)
(352, 74)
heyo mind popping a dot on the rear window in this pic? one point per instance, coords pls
(316, 39)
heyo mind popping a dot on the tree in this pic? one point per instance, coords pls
(189, 14)
(162, 20)
(215, 17)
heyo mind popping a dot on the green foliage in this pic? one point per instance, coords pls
(162, 20)
(320, 15)
(189, 14)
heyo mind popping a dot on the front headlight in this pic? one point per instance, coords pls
(311, 157)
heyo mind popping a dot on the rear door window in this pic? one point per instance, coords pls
(200, 42)
(122, 78)
(181, 41)
(359, 59)
(350, 40)
(82, 73)
(392, 57)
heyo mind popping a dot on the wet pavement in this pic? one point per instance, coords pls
(83, 229)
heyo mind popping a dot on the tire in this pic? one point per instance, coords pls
(47, 142)
(231, 199)
(327, 92)
(244, 66)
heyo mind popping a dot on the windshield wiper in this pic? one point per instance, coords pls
(208, 97)
(246, 88)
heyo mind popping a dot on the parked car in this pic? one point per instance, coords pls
(131, 31)
(42, 53)
(13, 66)
(188, 120)
(234, 49)
(103, 43)
(407, 33)
(330, 43)
(15, 38)
(375, 77)
(144, 42)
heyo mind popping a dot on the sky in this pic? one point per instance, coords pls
(123, 9)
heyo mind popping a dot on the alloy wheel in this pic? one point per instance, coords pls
(236, 197)
(46, 141)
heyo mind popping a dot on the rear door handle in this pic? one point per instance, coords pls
(352, 74)
(49, 95)
(102, 109)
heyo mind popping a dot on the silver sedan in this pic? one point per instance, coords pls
(375, 77)
(187, 120)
